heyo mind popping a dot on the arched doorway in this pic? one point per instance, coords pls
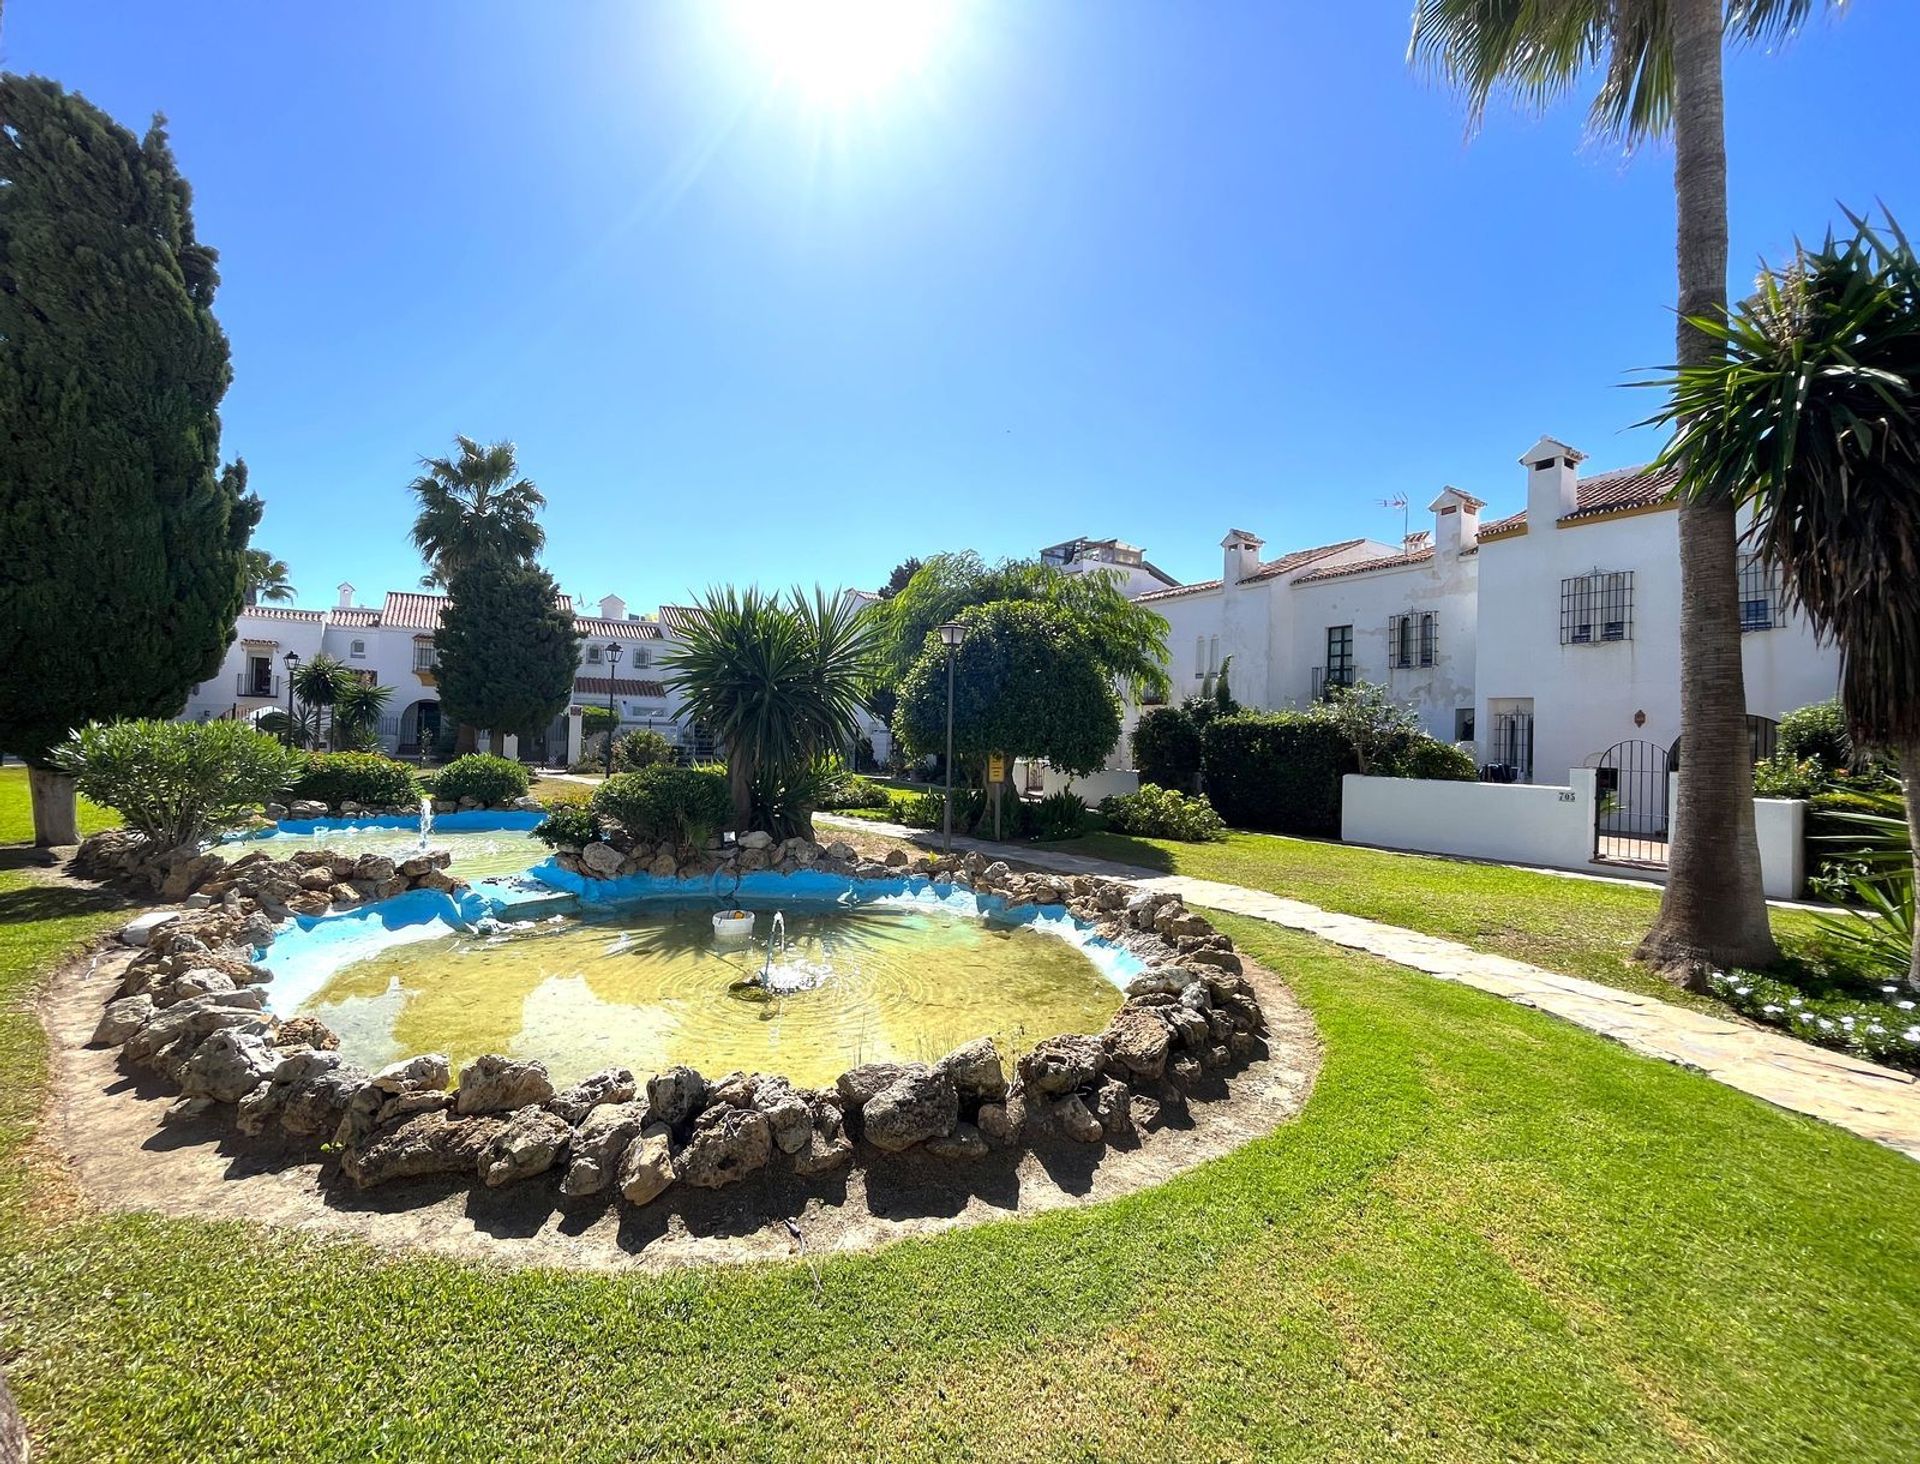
(1630, 811)
(419, 727)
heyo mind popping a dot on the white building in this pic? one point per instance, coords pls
(393, 646)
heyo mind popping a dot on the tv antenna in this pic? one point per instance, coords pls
(1399, 501)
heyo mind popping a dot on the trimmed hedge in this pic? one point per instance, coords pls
(334, 778)
(1278, 771)
(1167, 748)
(639, 750)
(483, 776)
(686, 805)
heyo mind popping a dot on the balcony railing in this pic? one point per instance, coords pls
(1325, 678)
(248, 684)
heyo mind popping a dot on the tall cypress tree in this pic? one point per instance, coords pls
(121, 540)
(508, 650)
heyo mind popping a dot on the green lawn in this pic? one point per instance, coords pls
(16, 810)
(1578, 926)
(1489, 1235)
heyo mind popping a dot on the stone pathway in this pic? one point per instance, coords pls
(1875, 1102)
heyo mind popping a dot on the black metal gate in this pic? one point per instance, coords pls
(1630, 808)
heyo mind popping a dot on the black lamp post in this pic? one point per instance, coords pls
(613, 670)
(293, 663)
(951, 634)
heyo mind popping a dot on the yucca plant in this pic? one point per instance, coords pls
(358, 707)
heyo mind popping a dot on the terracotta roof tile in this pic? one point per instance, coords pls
(1286, 564)
(354, 615)
(408, 610)
(1193, 589)
(676, 617)
(1603, 493)
(629, 629)
(622, 686)
(282, 612)
(1419, 555)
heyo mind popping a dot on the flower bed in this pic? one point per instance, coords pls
(1886, 1031)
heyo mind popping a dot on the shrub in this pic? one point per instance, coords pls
(1061, 815)
(1428, 757)
(334, 778)
(1781, 776)
(641, 749)
(1886, 1030)
(1277, 770)
(1816, 731)
(482, 776)
(572, 824)
(686, 805)
(176, 782)
(927, 810)
(594, 720)
(1166, 748)
(1164, 813)
(855, 791)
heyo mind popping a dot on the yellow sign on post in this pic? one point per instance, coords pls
(997, 767)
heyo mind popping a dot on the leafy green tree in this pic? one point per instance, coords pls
(121, 541)
(474, 506)
(508, 649)
(1809, 414)
(1166, 748)
(780, 680)
(1661, 72)
(1126, 640)
(904, 571)
(1026, 683)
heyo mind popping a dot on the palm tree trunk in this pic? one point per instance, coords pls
(1909, 752)
(1714, 910)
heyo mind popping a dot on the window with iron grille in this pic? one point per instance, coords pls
(1413, 639)
(1513, 743)
(1761, 606)
(426, 655)
(1596, 608)
(1339, 655)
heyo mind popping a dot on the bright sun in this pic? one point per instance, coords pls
(843, 51)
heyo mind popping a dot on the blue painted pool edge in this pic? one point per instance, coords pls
(474, 821)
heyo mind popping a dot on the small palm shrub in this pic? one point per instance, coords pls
(482, 776)
(176, 782)
(570, 824)
(334, 778)
(1061, 815)
(686, 805)
(1164, 813)
(640, 749)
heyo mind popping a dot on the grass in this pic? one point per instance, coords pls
(1580, 927)
(1489, 1235)
(16, 810)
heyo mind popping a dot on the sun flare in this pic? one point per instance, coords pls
(843, 51)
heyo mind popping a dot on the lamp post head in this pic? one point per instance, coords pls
(614, 652)
(293, 659)
(952, 633)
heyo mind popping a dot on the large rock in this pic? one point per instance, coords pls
(1109, 1107)
(1062, 1064)
(529, 1143)
(1076, 1121)
(857, 1085)
(675, 1095)
(602, 859)
(495, 1084)
(121, 1020)
(789, 1115)
(305, 1076)
(920, 1105)
(1002, 1123)
(825, 1152)
(604, 1135)
(423, 1144)
(1138, 1041)
(401, 1090)
(139, 930)
(228, 1066)
(727, 1144)
(756, 839)
(976, 1071)
(609, 1085)
(195, 1018)
(646, 1169)
(964, 1143)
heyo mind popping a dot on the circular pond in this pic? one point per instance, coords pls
(647, 986)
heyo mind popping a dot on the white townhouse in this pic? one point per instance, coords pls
(393, 646)
(1548, 639)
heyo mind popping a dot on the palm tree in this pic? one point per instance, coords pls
(358, 706)
(1809, 413)
(320, 683)
(1661, 63)
(267, 578)
(475, 507)
(779, 680)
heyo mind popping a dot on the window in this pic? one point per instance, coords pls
(1413, 639)
(1511, 750)
(642, 657)
(1463, 724)
(1596, 607)
(1760, 596)
(1339, 668)
(357, 650)
(1199, 656)
(426, 655)
(593, 655)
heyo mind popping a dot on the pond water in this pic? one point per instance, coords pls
(649, 987)
(503, 845)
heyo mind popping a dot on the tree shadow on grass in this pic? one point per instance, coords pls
(30, 903)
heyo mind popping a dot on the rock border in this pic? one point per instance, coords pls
(190, 1009)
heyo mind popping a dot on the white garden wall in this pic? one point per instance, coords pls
(1092, 788)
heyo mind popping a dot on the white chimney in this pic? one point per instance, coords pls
(346, 596)
(612, 607)
(1553, 481)
(1456, 522)
(1242, 556)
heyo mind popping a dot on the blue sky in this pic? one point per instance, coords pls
(1122, 268)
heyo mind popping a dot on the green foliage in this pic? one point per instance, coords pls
(1164, 813)
(357, 711)
(1818, 731)
(597, 719)
(1781, 776)
(854, 791)
(1127, 641)
(1878, 934)
(1885, 1030)
(570, 824)
(1380, 731)
(482, 776)
(1166, 748)
(266, 579)
(1428, 757)
(1278, 770)
(334, 778)
(476, 510)
(122, 543)
(779, 680)
(641, 748)
(1025, 684)
(178, 781)
(1061, 815)
(686, 805)
(784, 799)
(508, 649)
(926, 810)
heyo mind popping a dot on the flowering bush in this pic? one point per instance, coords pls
(1164, 813)
(1887, 1030)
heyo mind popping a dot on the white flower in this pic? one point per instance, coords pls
(1743, 991)
(1825, 1025)
(1905, 1006)
(1793, 1001)
(1772, 1008)
(1889, 989)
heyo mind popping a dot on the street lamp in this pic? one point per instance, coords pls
(951, 634)
(293, 662)
(613, 669)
